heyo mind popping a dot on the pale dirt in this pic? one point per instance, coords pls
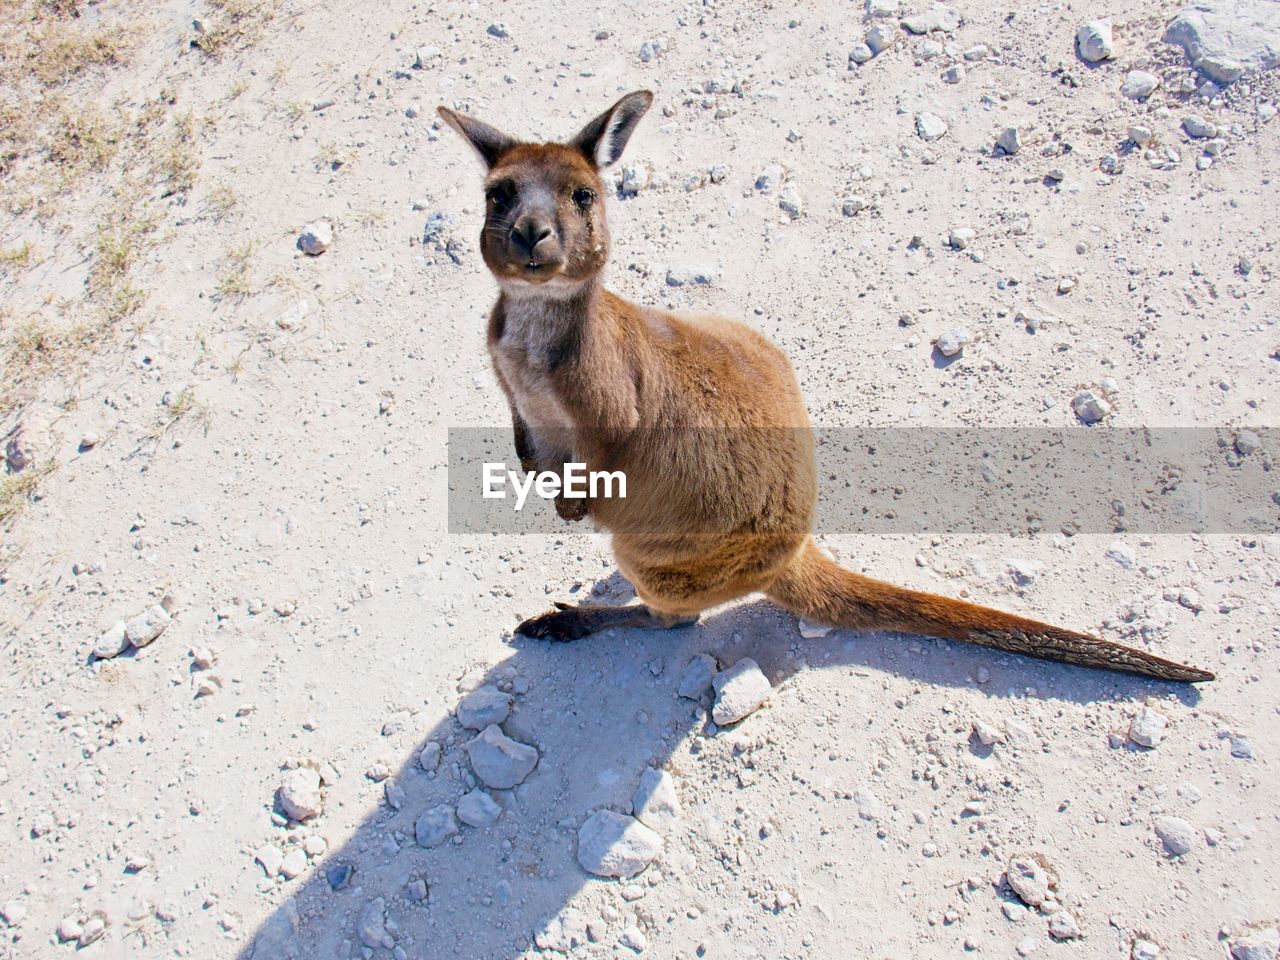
(287, 484)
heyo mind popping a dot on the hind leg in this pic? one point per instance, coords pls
(569, 622)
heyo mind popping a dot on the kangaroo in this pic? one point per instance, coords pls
(703, 414)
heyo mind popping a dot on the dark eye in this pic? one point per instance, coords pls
(583, 198)
(501, 195)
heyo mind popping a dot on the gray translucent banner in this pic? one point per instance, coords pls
(909, 480)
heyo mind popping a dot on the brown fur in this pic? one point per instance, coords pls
(702, 414)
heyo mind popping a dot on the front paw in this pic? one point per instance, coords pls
(560, 626)
(572, 509)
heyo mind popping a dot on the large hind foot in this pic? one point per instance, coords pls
(568, 622)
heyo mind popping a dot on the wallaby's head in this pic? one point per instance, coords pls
(544, 202)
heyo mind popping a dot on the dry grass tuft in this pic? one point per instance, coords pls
(17, 490)
(234, 283)
(233, 24)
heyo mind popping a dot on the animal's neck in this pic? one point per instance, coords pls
(549, 328)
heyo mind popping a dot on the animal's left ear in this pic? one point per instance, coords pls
(604, 138)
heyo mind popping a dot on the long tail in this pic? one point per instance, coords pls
(820, 590)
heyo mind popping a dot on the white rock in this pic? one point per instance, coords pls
(655, 803)
(294, 862)
(852, 204)
(92, 930)
(1022, 572)
(499, 761)
(429, 757)
(315, 845)
(635, 177)
(112, 643)
(1028, 879)
(1121, 554)
(270, 858)
(695, 681)
(686, 275)
(930, 126)
(1258, 945)
(69, 929)
(299, 794)
(860, 53)
(812, 631)
(425, 56)
(393, 793)
(146, 626)
(1094, 41)
(1246, 442)
(1010, 140)
(986, 733)
(1090, 407)
(1144, 950)
(740, 691)
(478, 809)
(564, 932)
(959, 238)
(1063, 926)
(1147, 727)
(881, 37)
(435, 826)
(770, 178)
(1138, 84)
(315, 238)
(483, 706)
(633, 939)
(870, 807)
(939, 18)
(952, 342)
(882, 8)
(1226, 39)
(371, 927)
(13, 913)
(790, 202)
(613, 845)
(1139, 134)
(1199, 128)
(1177, 835)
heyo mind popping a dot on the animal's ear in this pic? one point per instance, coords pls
(603, 139)
(490, 142)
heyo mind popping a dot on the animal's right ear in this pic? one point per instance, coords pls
(489, 142)
(604, 137)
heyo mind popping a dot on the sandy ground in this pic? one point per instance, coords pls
(269, 454)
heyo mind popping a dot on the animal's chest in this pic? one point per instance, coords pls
(532, 388)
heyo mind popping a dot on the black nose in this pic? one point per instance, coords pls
(527, 234)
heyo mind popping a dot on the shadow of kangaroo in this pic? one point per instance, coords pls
(701, 413)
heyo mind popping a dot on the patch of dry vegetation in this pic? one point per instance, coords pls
(233, 24)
